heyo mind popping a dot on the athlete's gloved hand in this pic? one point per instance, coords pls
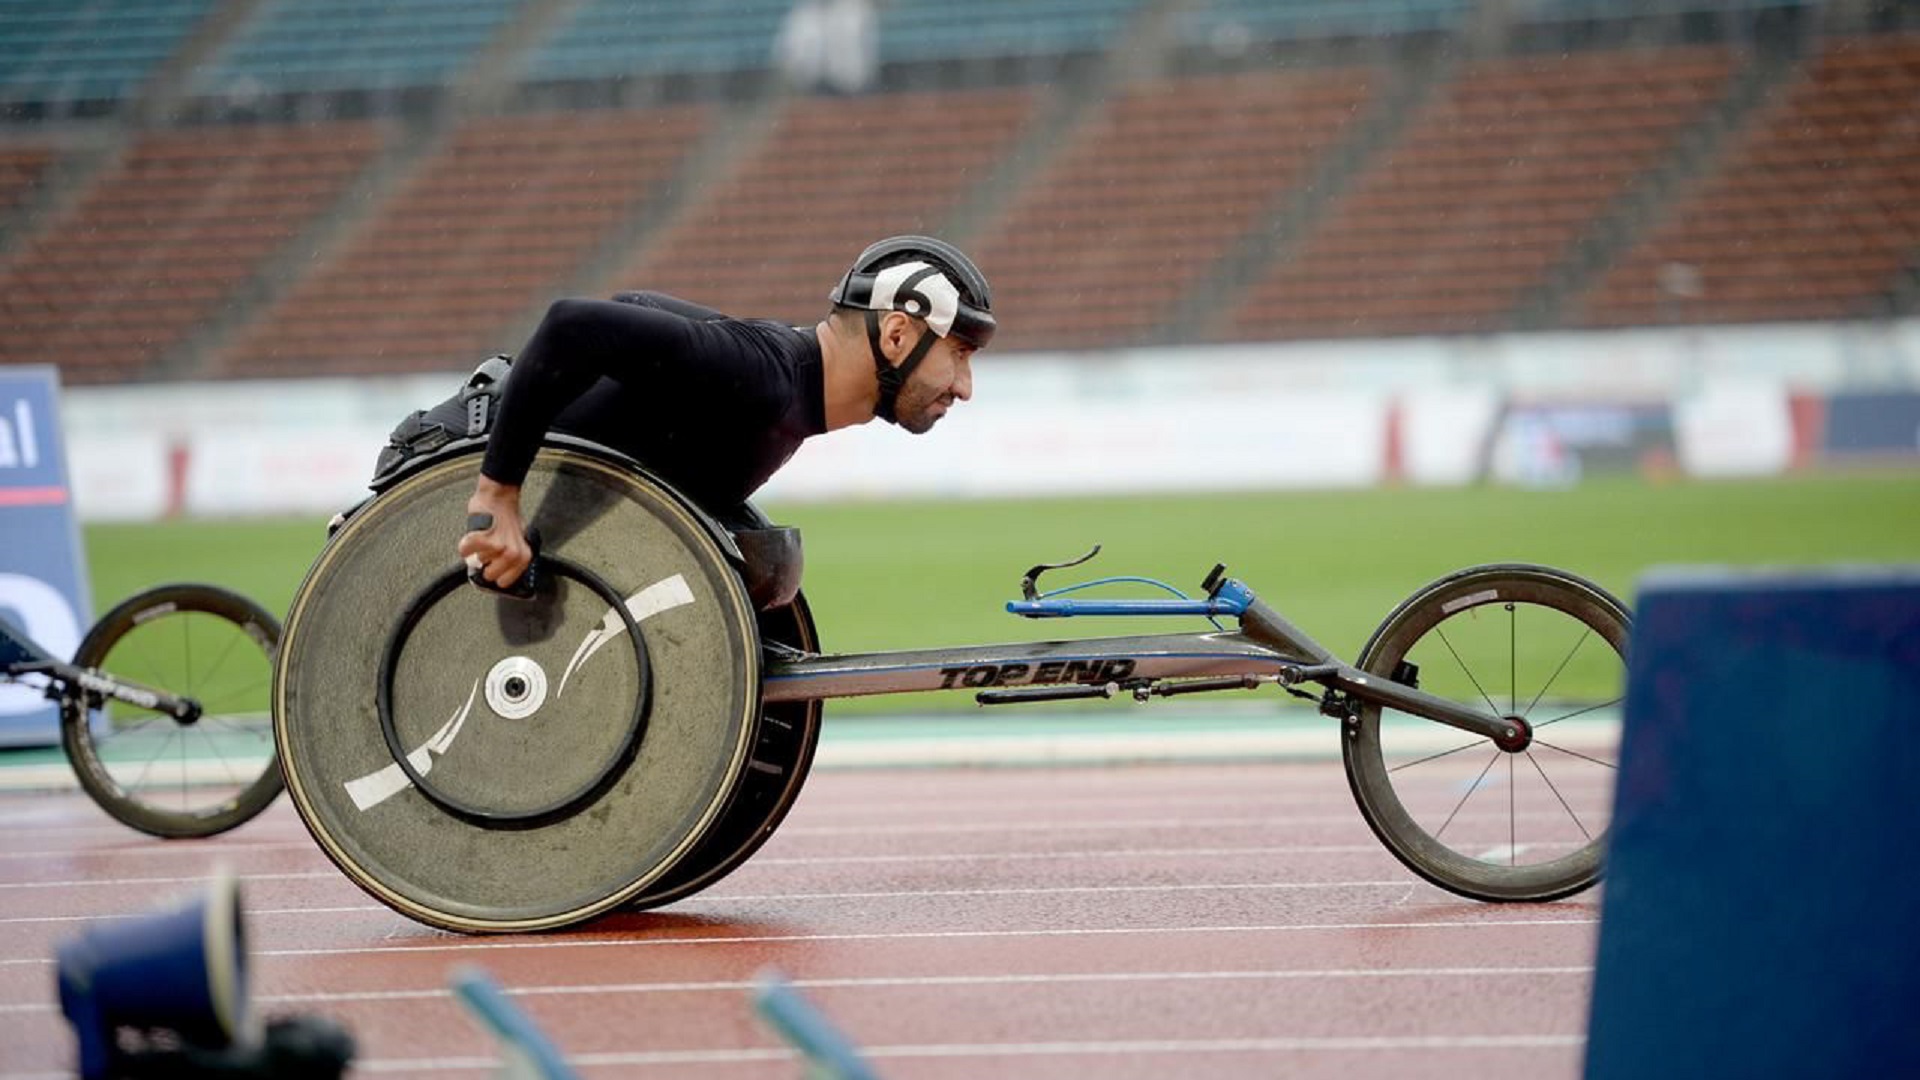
(499, 551)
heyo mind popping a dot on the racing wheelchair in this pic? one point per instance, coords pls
(164, 707)
(638, 725)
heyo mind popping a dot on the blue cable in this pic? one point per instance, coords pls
(1123, 579)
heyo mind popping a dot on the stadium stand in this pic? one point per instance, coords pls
(1150, 195)
(1810, 214)
(162, 240)
(917, 30)
(477, 238)
(1225, 22)
(21, 170)
(771, 240)
(299, 46)
(1614, 9)
(88, 50)
(1581, 167)
(1485, 191)
(613, 38)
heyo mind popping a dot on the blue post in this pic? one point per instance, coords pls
(829, 1054)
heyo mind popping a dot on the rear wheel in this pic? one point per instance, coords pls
(164, 776)
(1527, 642)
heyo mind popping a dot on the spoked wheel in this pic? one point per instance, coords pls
(165, 776)
(1523, 821)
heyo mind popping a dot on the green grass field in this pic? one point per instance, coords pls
(917, 574)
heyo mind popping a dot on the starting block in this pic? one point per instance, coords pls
(1759, 917)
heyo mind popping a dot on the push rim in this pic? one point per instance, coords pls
(595, 785)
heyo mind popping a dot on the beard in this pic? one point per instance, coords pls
(919, 407)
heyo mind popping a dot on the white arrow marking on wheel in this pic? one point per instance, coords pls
(660, 596)
(377, 787)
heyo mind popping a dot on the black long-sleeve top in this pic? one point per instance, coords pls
(712, 404)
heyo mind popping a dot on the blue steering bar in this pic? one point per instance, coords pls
(1231, 598)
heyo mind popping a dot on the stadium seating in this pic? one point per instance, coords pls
(464, 250)
(1485, 191)
(612, 38)
(917, 30)
(60, 51)
(1614, 9)
(1150, 216)
(1810, 215)
(21, 170)
(1223, 23)
(161, 242)
(1150, 195)
(295, 46)
(771, 240)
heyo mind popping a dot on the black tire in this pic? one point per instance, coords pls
(784, 742)
(151, 771)
(1471, 636)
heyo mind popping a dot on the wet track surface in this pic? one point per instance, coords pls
(1117, 921)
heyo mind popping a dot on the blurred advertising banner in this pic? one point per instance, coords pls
(1735, 428)
(1862, 426)
(43, 583)
(1555, 444)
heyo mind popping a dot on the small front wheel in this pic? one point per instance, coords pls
(1524, 822)
(151, 771)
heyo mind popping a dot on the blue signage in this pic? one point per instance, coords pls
(1873, 425)
(43, 584)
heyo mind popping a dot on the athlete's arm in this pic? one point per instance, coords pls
(577, 344)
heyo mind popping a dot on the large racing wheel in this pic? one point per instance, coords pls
(489, 764)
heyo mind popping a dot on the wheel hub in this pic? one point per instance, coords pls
(1519, 735)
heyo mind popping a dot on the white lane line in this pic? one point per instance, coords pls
(1375, 1044)
(468, 944)
(118, 883)
(250, 913)
(896, 982)
(472, 945)
(893, 894)
(1038, 826)
(1029, 825)
(929, 981)
(1305, 1044)
(774, 860)
(225, 851)
(1118, 853)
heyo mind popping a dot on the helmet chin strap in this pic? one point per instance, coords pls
(893, 378)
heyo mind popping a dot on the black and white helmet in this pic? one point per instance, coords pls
(929, 279)
(920, 276)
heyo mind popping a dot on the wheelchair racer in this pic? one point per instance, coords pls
(714, 405)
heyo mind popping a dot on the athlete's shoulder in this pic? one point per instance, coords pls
(666, 302)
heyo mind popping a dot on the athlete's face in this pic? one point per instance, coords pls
(944, 376)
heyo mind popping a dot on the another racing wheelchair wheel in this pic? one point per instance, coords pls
(161, 775)
(1525, 823)
(490, 764)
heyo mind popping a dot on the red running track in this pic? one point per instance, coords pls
(1134, 921)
